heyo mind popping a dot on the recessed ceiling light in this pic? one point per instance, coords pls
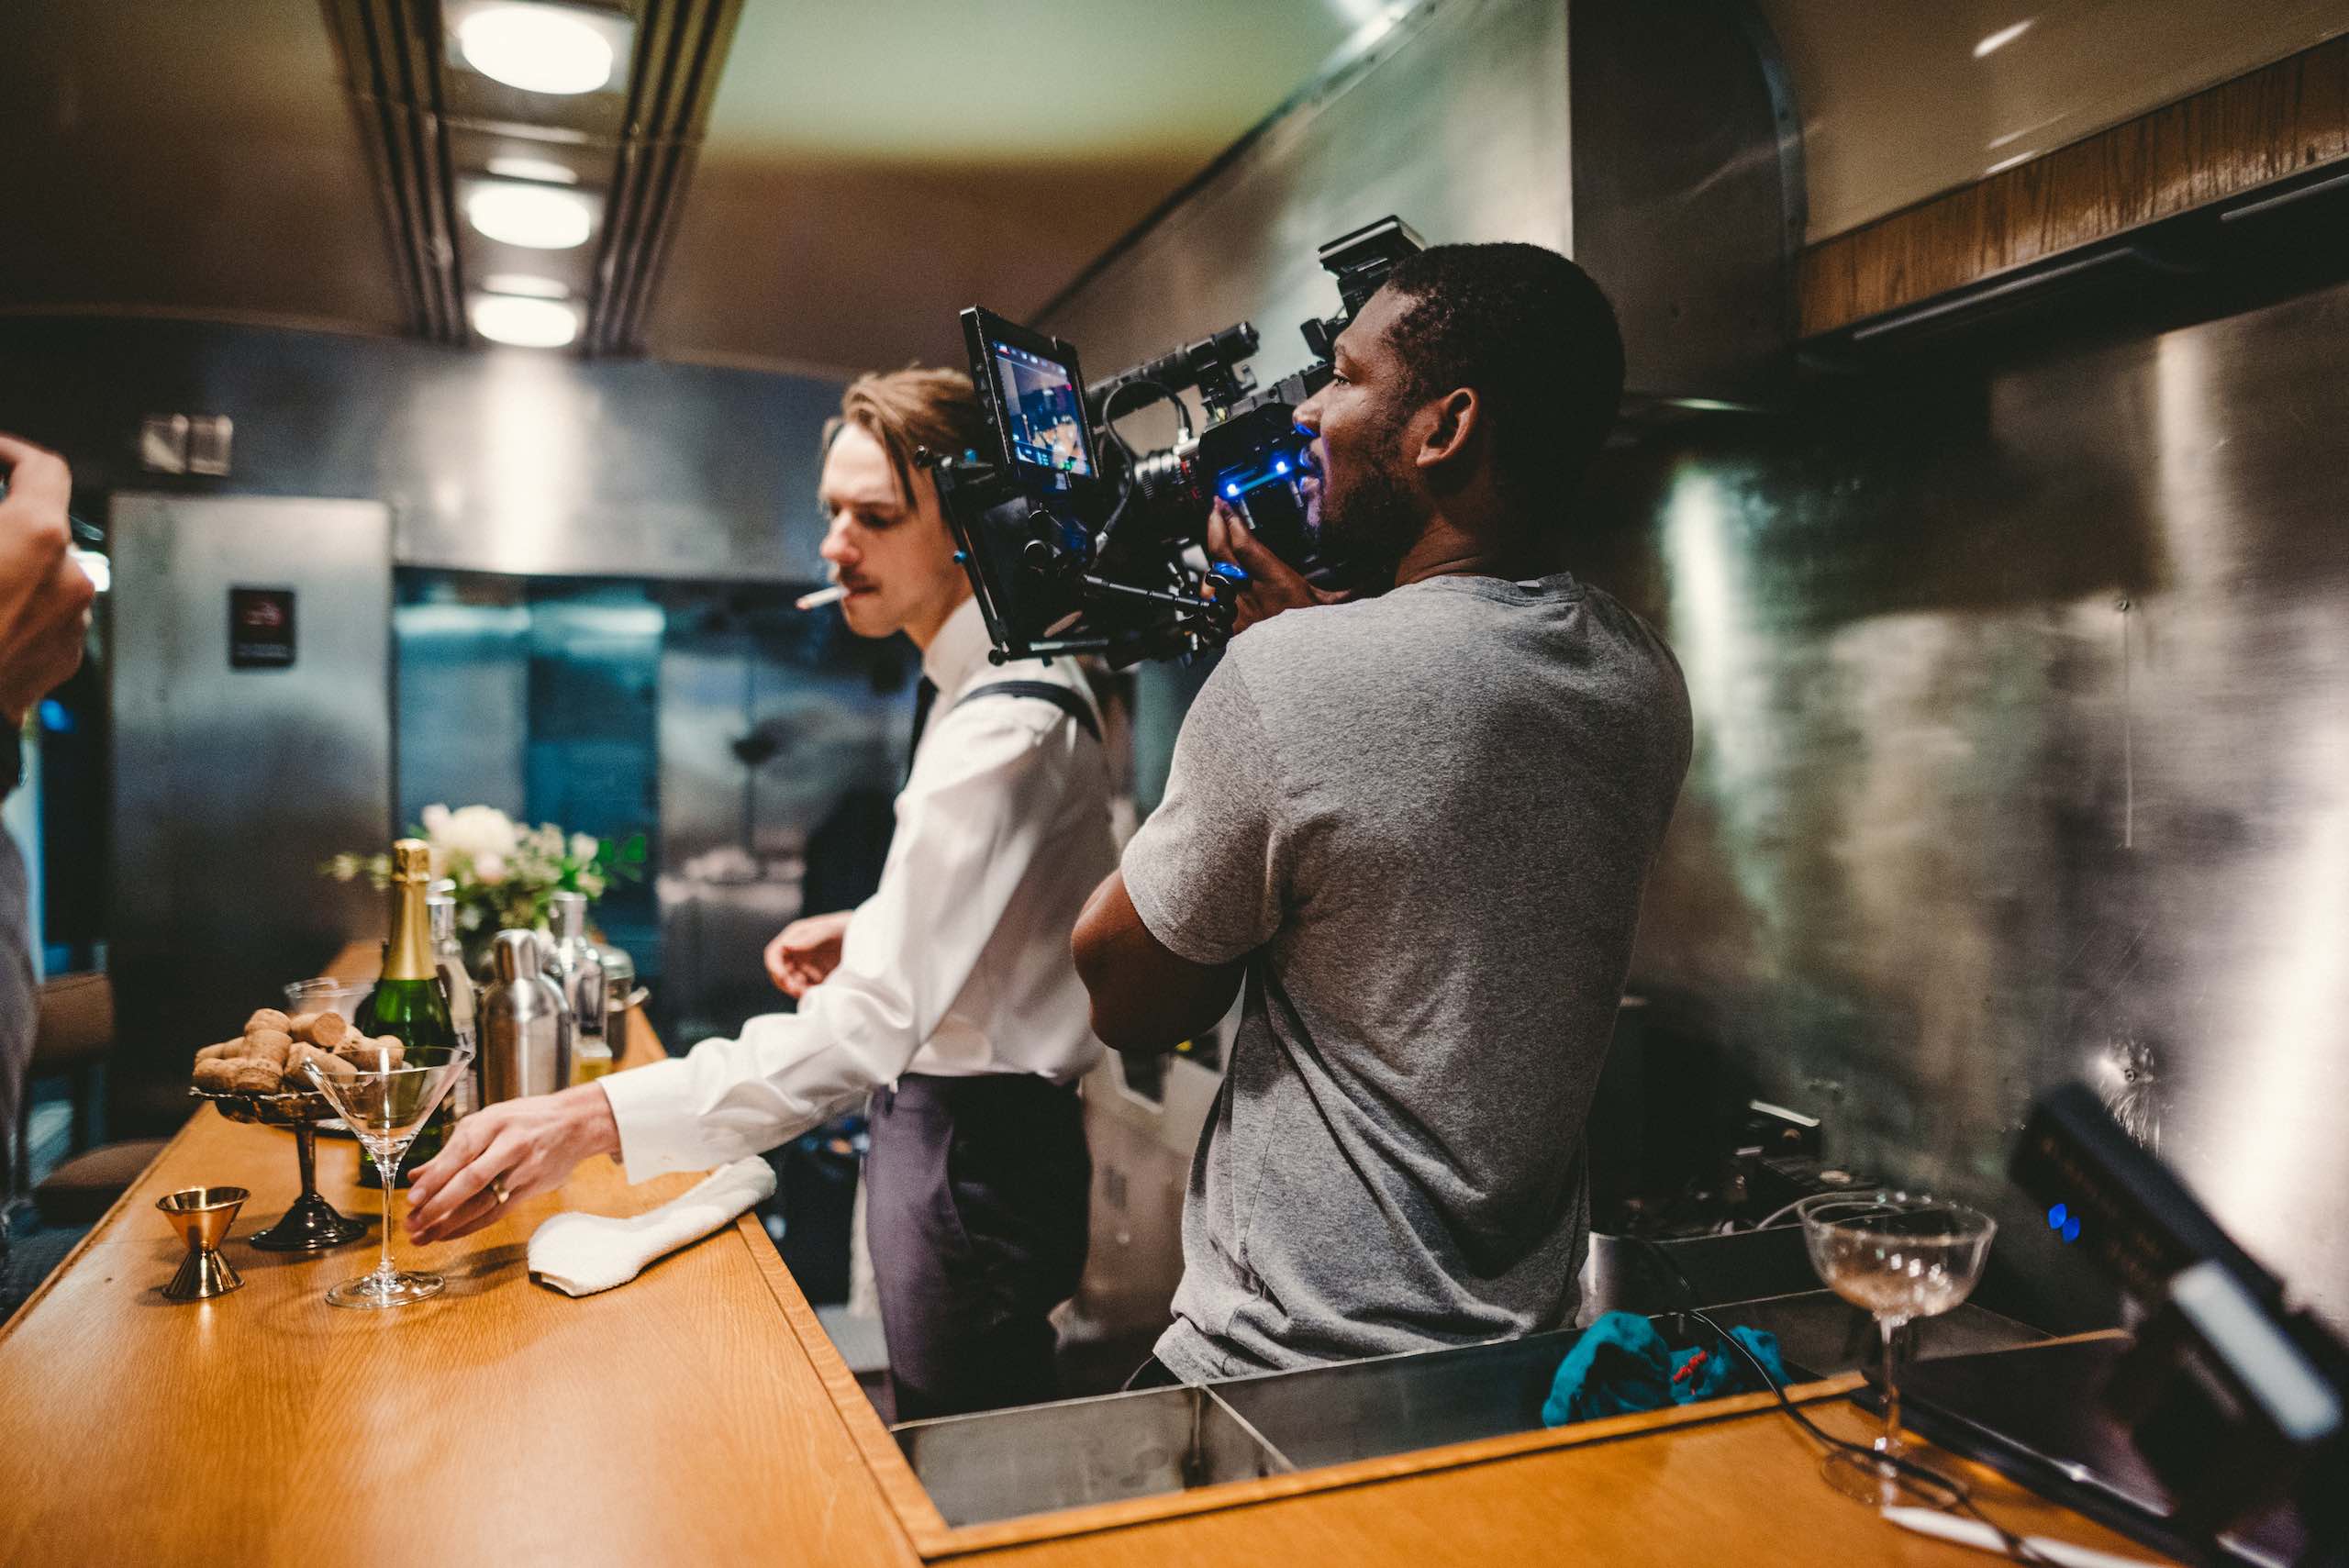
(539, 217)
(525, 323)
(540, 169)
(539, 49)
(2002, 37)
(529, 283)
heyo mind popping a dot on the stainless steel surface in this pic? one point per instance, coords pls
(620, 991)
(577, 970)
(231, 785)
(1668, 163)
(1457, 120)
(1395, 1404)
(508, 461)
(2022, 754)
(525, 1026)
(782, 743)
(1006, 1463)
(1820, 1333)
(1688, 192)
(1619, 1274)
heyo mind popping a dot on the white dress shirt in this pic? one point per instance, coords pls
(958, 965)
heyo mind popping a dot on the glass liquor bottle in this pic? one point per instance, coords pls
(457, 982)
(408, 1002)
(578, 971)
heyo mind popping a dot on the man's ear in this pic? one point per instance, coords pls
(1458, 418)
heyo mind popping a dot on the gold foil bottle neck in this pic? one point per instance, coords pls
(408, 955)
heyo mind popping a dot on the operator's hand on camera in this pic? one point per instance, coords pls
(805, 952)
(1272, 584)
(515, 1149)
(44, 593)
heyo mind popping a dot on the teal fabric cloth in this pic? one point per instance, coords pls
(1622, 1365)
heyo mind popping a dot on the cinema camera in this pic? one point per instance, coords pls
(1074, 542)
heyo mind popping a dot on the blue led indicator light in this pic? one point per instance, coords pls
(1231, 490)
(2071, 1230)
(1281, 467)
(2057, 1216)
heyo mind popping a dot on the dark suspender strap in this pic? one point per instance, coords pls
(1061, 698)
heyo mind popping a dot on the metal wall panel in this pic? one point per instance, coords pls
(1457, 120)
(230, 786)
(2022, 717)
(510, 461)
(1655, 144)
(782, 743)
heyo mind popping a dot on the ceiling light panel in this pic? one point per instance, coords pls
(550, 50)
(524, 323)
(536, 218)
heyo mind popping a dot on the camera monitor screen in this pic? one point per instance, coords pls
(1038, 395)
(1045, 410)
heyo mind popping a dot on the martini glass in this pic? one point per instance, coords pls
(385, 1103)
(1901, 1256)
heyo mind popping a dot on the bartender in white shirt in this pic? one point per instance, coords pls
(948, 996)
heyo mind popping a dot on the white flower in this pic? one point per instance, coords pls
(476, 832)
(583, 846)
(489, 868)
(436, 820)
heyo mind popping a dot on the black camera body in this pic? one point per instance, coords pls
(1075, 544)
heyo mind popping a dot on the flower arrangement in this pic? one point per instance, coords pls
(506, 873)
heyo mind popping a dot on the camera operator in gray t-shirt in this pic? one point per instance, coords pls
(1417, 826)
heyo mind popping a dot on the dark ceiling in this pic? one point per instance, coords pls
(869, 167)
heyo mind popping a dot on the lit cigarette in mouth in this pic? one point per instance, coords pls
(822, 596)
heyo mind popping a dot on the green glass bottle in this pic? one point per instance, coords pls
(409, 1002)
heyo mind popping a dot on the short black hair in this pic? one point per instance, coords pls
(1533, 335)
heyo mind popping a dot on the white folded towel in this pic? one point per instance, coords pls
(580, 1254)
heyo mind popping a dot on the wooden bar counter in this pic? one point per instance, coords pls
(699, 1416)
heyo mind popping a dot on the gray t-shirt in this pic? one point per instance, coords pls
(1426, 818)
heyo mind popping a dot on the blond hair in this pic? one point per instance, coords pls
(909, 411)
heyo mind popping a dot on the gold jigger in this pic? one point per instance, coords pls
(203, 1216)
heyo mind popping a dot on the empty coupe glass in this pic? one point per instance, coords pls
(384, 1102)
(1902, 1256)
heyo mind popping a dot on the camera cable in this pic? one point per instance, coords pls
(1940, 1491)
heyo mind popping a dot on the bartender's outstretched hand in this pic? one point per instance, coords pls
(804, 951)
(514, 1149)
(1272, 584)
(44, 593)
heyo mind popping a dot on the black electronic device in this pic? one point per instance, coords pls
(1075, 544)
(2236, 1402)
(1034, 395)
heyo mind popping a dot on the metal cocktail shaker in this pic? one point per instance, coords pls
(524, 1027)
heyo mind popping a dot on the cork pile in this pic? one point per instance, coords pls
(269, 1057)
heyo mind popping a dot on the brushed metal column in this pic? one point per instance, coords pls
(231, 785)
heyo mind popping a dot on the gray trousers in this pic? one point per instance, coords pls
(17, 1007)
(977, 1190)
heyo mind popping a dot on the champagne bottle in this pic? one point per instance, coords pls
(457, 982)
(408, 1002)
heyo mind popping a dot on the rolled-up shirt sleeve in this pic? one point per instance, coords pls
(1208, 872)
(969, 822)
